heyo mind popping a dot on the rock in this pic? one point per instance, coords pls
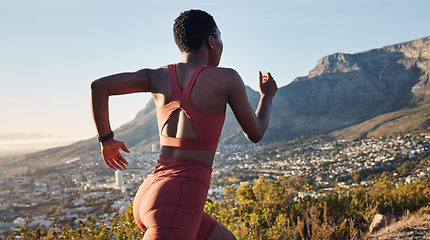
(379, 221)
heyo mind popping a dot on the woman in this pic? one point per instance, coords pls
(191, 99)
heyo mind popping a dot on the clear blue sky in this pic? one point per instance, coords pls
(51, 50)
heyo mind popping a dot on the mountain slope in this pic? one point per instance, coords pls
(413, 120)
(343, 90)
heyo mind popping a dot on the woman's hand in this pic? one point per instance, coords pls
(111, 154)
(267, 85)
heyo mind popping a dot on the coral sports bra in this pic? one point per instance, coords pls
(207, 125)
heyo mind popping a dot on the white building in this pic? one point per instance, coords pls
(118, 179)
(19, 221)
(155, 148)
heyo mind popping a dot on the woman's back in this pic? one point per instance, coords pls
(191, 102)
(210, 91)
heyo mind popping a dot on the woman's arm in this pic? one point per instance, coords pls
(101, 89)
(254, 124)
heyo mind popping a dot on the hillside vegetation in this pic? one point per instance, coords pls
(266, 210)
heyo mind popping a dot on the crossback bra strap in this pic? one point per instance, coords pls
(174, 81)
(193, 78)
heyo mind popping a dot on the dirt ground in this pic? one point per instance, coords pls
(410, 227)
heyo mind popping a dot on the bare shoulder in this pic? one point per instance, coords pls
(157, 77)
(227, 76)
(153, 72)
(226, 72)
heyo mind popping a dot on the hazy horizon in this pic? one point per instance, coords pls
(23, 143)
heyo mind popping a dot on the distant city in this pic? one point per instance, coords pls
(60, 193)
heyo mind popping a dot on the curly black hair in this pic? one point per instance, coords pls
(191, 28)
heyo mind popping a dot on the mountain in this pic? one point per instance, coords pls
(348, 89)
(346, 95)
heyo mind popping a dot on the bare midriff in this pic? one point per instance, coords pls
(205, 157)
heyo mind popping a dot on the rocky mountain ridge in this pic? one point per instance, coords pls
(348, 89)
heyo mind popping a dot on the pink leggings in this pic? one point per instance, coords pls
(169, 204)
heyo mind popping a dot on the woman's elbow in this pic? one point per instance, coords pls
(95, 85)
(255, 138)
(98, 88)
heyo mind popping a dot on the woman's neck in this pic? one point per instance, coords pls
(195, 58)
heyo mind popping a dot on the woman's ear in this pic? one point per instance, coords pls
(210, 42)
